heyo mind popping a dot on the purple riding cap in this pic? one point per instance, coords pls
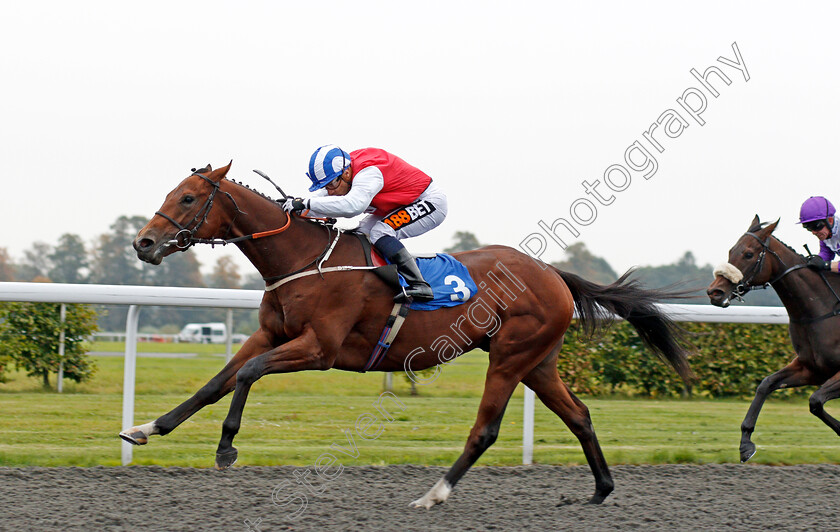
(818, 208)
(815, 208)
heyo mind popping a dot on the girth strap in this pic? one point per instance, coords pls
(285, 280)
(389, 334)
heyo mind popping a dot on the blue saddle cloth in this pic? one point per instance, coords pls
(450, 281)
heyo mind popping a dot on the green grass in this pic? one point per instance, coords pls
(163, 347)
(294, 418)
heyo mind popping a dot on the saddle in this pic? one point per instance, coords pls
(450, 280)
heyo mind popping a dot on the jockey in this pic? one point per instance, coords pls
(401, 202)
(817, 216)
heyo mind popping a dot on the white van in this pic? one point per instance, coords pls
(204, 333)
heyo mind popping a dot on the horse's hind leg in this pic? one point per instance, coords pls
(498, 388)
(790, 376)
(219, 386)
(553, 392)
(828, 391)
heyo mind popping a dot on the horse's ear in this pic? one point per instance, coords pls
(765, 229)
(220, 173)
(772, 227)
(755, 225)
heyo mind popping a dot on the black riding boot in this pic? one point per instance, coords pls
(417, 287)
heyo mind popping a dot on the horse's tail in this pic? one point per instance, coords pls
(597, 305)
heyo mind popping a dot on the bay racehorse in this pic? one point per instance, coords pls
(759, 259)
(334, 320)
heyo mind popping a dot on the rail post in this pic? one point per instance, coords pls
(528, 427)
(129, 372)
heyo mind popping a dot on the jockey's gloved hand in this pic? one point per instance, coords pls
(296, 205)
(818, 263)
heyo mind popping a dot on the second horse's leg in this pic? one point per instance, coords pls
(791, 376)
(828, 391)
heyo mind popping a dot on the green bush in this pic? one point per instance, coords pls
(29, 335)
(729, 360)
(5, 360)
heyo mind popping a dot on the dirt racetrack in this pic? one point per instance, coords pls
(667, 497)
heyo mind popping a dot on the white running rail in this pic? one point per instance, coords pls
(136, 296)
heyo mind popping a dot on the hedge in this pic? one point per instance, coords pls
(729, 360)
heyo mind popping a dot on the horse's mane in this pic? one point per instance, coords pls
(276, 202)
(208, 169)
(801, 256)
(255, 191)
(761, 225)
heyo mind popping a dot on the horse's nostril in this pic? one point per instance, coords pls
(715, 293)
(145, 243)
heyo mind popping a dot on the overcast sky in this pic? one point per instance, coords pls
(510, 107)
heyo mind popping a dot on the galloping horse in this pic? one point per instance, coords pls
(334, 320)
(811, 299)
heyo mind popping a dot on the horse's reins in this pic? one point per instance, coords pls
(744, 286)
(186, 235)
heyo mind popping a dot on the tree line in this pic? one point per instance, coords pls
(683, 274)
(110, 259)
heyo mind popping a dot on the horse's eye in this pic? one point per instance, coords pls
(188, 200)
(748, 255)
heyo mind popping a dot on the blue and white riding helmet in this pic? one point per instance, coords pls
(327, 163)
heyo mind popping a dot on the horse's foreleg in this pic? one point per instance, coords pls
(791, 376)
(497, 391)
(215, 389)
(828, 391)
(299, 354)
(553, 392)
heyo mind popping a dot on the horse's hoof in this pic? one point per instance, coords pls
(437, 495)
(747, 451)
(420, 503)
(134, 438)
(226, 459)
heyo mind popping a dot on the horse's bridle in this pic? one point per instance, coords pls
(201, 217)
(745, 285)
(187, 234)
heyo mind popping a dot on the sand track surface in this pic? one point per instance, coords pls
(665, 497)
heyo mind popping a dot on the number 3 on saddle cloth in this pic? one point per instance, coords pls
(450, 281)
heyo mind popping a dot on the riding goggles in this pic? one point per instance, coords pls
(815, 225)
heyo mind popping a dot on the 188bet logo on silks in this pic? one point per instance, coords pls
(409, 214)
